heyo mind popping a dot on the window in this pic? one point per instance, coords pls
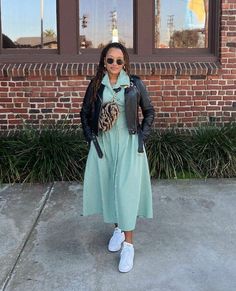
(181, 23)
(107, 21)
(153, 30)
(29, 24)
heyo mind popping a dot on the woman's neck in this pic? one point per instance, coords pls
(113, 82)
(113, 79)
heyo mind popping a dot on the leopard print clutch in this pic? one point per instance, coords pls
(108, 115)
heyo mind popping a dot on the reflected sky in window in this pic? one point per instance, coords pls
(22, 18)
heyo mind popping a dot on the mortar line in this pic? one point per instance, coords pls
(9, 275)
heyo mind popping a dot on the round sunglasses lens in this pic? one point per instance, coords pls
(119, 62)
(110, 61)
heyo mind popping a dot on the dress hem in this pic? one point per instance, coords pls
(115, 222)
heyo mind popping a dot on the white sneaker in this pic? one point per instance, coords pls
(126, 258)
(116, 240)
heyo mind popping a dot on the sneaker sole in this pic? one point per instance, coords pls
(114, 251)
(125, 271)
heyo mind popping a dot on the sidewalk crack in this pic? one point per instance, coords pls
(9, 275)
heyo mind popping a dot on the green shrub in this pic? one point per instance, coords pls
(51, 154)
(8, 170)
(169, 154)
(214, 149)
(59, 153)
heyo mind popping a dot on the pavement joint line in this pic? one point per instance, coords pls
(9, 275)
(3, 188)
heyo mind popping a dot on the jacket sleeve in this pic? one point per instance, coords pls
(85, 113)
(146, 107)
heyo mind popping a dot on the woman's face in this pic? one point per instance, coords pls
(114, 61)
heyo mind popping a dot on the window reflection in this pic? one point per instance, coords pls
(108, 21)
(181, 23)
(29, 24)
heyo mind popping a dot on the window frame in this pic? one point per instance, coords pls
(143, 39)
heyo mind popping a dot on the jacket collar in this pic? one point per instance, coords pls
(100, 92)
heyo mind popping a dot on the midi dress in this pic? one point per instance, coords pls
(118, 184)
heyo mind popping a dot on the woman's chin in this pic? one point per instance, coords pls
(115, 71)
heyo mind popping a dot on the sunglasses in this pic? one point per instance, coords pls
(119, 62)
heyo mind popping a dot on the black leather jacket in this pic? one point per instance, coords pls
(136, 95)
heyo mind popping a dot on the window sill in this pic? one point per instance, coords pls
(89, 69)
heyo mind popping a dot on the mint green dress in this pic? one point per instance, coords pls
(118, 185)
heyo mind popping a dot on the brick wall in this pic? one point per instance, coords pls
(184, 94)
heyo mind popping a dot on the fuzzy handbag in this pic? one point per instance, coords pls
(109, 113)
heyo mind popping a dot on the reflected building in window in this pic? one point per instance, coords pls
(35, 42)
(29, 24)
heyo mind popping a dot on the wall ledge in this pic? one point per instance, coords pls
(89, 69)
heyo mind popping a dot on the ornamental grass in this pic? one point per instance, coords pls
(170, 156)
(214, 150)
(59, 153)
(52, 154)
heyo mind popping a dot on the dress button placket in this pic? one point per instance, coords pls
(115, 172)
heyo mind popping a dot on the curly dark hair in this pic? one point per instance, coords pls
(100, 69)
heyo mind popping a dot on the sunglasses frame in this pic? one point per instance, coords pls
(119, 62)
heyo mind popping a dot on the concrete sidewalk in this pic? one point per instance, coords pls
(190, 245)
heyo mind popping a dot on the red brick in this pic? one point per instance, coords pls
(5, 100)
(19, 110)
(49, 78)
(213, 108)
(60, 110)
(4, 110)
(15, 121)
(34, 78)
(214, 97)
(167, 109)
(188, 119)
(49, 89)
(185, 108)
(3, 89)
(182, 93)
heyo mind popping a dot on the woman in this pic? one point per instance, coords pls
(117, 181)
